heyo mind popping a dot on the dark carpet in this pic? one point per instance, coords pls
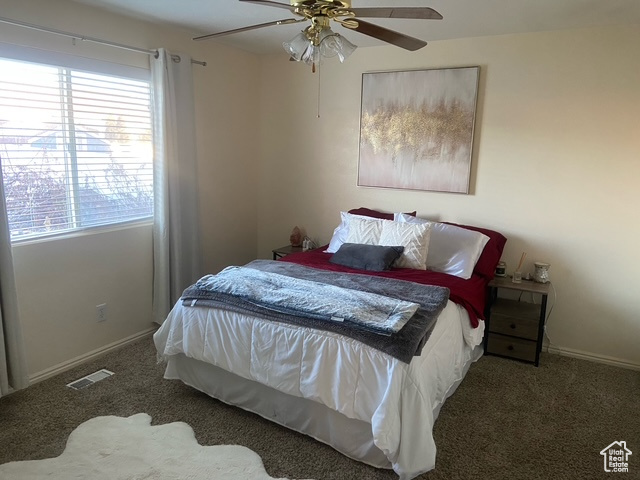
(507, 420)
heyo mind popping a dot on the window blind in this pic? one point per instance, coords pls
(75, 147)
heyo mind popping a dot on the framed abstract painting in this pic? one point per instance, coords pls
(416, 129)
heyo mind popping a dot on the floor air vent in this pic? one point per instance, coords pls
(90, 379)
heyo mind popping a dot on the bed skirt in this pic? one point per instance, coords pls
(351, 437)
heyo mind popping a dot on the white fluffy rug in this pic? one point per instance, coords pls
(116, 448)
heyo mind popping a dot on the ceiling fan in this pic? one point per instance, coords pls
(318, 40)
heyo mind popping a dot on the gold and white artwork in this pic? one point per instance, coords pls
(416, 129)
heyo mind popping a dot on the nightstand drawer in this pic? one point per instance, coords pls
(514, 308)
(511, 347)
(518, 327)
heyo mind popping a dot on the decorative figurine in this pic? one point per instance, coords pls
(296, 237)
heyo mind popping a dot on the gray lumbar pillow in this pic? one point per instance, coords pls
(366, 257)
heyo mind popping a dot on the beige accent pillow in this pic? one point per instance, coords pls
(413, 237)
(364, 230)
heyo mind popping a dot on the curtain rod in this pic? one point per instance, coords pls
(175, 58)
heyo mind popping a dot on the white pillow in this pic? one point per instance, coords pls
(414, 238)
(342, 231)
(364, 230)
(453, 250)
(339, 234)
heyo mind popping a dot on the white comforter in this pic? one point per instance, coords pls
(400, 400)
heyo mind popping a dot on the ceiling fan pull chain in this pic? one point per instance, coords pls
(318, 105)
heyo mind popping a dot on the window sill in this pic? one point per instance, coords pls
(81, 233)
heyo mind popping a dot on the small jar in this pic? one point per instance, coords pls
(501, 269)
(541, 273)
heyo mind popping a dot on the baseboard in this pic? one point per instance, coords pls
(74, 362)
(592, 357)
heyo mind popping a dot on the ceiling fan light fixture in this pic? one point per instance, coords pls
(311, 48)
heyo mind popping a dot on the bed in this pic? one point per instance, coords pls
(372, 404)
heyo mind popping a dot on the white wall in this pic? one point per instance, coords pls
(555, 164)
(60, 282)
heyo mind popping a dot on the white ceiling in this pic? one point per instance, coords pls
(462, 18)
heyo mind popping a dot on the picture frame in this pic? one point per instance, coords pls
(417, 128)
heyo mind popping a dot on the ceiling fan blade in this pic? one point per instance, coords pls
(286, 21)
(395, 38)
(269, 3)
(422, 13)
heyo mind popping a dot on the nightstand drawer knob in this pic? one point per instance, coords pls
(513, 325)
(510, 347)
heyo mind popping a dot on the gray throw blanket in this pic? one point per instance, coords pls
(403, 344)
(311, 299)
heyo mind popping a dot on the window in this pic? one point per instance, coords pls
(75, 147)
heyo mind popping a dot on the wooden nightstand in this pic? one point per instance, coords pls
(284, 251)
(515, 329)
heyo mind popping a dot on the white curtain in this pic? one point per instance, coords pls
(13, 363)
(176, 245)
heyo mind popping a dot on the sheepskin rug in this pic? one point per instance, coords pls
(117, 448)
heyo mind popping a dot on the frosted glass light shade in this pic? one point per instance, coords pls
(297, 46)
(311, 55)
(336, 44)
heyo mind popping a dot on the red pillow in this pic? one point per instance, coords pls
(490, 256)
(367, 212)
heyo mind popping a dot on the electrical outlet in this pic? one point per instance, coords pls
(101, 312)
